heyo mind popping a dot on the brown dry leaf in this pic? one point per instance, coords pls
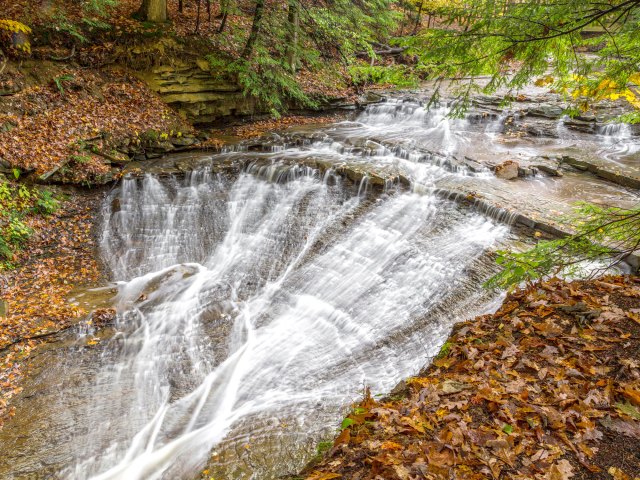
(562, 470)
(402, 472)
(632, 394)
(410, 422)
(634, 316)
(343, 438)
(629, 428)
(388, 445)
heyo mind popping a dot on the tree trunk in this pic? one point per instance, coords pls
(255, 29)
(153, 10)
(224, 13)
(418, 18)
(294, 24)
(180, 6)
(197, 17)
(223, 22)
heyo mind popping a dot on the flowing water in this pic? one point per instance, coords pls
(254, 307)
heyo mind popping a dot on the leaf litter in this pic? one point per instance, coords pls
(59, 257)
(546, 388)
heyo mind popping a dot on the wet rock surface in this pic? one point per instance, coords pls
(203, 97)
(509, 170)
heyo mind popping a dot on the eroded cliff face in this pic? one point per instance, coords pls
(200, 97)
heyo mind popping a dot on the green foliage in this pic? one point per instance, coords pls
(630, 117)
(603, 237)
(323, 447)
(346, 423)
(81, 159)
(264, 77)
(516, 42)
(96, 24)
(628, 409)
(17, 203)
(46, 203)
(99, 7)
(397, 75)
(331, 30)
(352, 26)
(5, 249)
(16, 232)
(63, 25)
(444, 350)
(60, 79)
(150, 136)
(95, 19)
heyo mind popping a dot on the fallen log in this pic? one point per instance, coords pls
(388, 51)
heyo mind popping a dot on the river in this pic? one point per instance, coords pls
(256, 302)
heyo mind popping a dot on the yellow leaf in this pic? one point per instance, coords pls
(317, 475)
(618, 474)
(388, 445)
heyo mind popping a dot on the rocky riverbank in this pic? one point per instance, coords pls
(92, 122)
(59, 258)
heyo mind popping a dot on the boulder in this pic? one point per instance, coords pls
(526, 171)
(507, 170)
(185, 141)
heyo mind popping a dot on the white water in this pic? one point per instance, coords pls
(300, 323)
(252, 310)
(618, 141)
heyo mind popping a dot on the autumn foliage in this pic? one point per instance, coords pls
(547, 388)
(103, 109)
(58, 257)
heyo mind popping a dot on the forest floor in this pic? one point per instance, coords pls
(548, 388)
(60, 256)
(78, 88)
(80, 115)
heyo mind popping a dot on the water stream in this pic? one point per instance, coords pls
(254, 307)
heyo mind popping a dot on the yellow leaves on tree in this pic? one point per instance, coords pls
(608, 89)
(17, 31)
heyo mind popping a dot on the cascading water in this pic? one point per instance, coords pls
(618, 141)
(253, 308)
(272, 318)
(432, 129)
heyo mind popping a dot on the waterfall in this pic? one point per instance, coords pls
(253, 307)
(618, 141)
(240, 307)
